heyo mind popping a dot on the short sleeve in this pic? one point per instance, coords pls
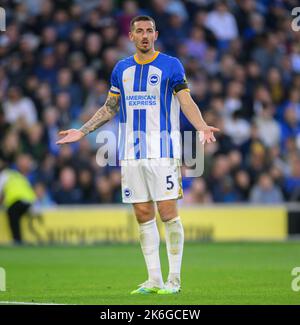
(178, 79)
(114, 82)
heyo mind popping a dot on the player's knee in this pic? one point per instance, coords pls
(167, 213)
(143, 214)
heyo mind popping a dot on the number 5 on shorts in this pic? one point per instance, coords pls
(169, 182)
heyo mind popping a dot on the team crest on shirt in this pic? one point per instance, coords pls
(153, 79)
(127, 192)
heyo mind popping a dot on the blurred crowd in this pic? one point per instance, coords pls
(242, 62)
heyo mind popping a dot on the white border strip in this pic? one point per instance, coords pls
(27, 303)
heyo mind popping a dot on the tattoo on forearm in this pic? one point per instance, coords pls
(103, 115)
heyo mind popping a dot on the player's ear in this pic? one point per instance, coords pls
(130, 35)
(156, 35)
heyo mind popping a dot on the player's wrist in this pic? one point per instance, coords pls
(203, 127)
(84, 131)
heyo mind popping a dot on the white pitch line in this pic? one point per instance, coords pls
(26, 303)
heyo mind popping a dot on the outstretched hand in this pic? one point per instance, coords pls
(208, 134)
(71, 135)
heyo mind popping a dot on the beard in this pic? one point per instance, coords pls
(144, 50)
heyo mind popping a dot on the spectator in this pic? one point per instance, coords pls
(292, 181)
(233, 100)
(226, 191)
(67, 191)
(50, 120)
(295, 58)
(196, 45)
(104, 190)
(47, 70)
(237, 128)
(33, 142)
(222, 23)
(267, 54)
(65, 84)
(268, 128)
(265, 192)
(242, 184)
(130, 9)
(290, 127)
(10, 146)
(43, 198)
(86, 184)
(176, 34)
(18, 108)
(26, 166)
(197, 193)
(275, 85)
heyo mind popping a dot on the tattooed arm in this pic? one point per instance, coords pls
(103, 115)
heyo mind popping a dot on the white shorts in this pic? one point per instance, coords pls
(153, 179)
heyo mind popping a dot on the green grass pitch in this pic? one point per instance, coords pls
(212, 273)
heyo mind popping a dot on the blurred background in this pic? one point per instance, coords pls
(242, 62)
(241, 218)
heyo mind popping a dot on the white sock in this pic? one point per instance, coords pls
(174, 241)
(149, 239)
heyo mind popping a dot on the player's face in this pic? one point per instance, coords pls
(143, 35)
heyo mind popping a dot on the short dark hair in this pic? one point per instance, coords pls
(141, 18)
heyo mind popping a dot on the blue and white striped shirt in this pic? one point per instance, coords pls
(149, 110)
